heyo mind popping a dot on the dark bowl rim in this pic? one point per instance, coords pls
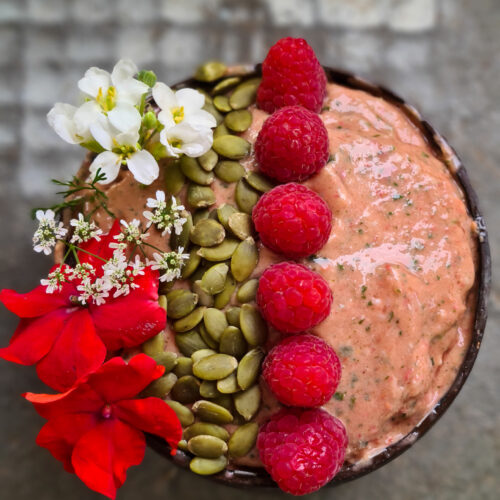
(258, 477)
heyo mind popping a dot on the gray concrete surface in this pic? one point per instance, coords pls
(441, 55)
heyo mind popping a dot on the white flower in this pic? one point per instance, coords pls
(55, 280)
(81, 272)
(131, 233)
(170, 263)
(187, 127)
(84, 230)
(165, 216)
(48, 232)
(97, 290)
(72, 124)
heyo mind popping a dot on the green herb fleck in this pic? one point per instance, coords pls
(339, 396)
(391, 316)
(340, 266)
(352, 402)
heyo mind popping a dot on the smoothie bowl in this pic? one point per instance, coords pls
(317, 249)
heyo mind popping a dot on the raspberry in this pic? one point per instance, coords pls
(292, 145)
(292, 298)
(302, 449)
(292, 220)
(291, 75)
(302, 370)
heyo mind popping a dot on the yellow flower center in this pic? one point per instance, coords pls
(175, 143)
(106, 100)
(178, 114)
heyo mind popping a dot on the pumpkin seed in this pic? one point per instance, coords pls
(243, 439)
(229, 171)
(247, 291)
(184, 414)
(228, 385)
(202, 353)
(223, 251)
(186, 390)
(214, 279)
(166, 359)
(232, 342)
(160, 387)
(259, 182)
(202, 213)
(190, 321)
(200, 196)
(192, 170)
(203, 428)
(182, 240)
(249, 368)
(226, 84)
(208, 160)
(238, 121)
(208, 389)
(222, 299)
(165, 287)
(206, 337)
(162, 302)
(208, 106)
(221, 130)
(241, 225)
(191, 264)
(205, 299)
(207, 233)
(247, 402)
(226, 401)
(233, 316)
(182, 445)
(154, 345)
(224, 212)
(252, 325)
(221, 103)
(244, 94)
(210, 71)
(184, 366)
(245, 196)
(215, 367)
(208, 466)
(182, 304)
(174, 178)
(207, 446)
(189, 342)
(212, 412)
(244, 259)
(215, 323)
(231, 146)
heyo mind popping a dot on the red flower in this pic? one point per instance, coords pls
(67, 340)
(96, 429)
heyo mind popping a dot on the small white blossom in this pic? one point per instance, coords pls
(81, 272)
(54, 280)
(131, 233)
(170, 263)
(97, 290)
(84, 230)
(165, 216)
(48, 232)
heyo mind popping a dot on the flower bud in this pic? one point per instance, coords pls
(149, 120)
(147, 77)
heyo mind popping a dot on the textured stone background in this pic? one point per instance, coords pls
(441, 55)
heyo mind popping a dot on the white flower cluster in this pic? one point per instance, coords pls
(165, 216)
(130, 233)
(48, 232)
(84, 230)
(169, 264)
(113, 121)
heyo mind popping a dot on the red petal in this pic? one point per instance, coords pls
(103, 455)
(117, 380)
(151, 415)
(34, 338)
(130, 320)
(100, 248)
(61, 433)
(76, 352)
(37, 302)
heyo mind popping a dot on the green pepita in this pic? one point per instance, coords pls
(221, 130)
(215, 367)
(221, 103)
(206, 337)
(238, 121)
(189, 342)
(244, 259)
(184, 366)
(249, 368)
(166, 359)
(208, 160)
(193, 171)
(229, 171)
(207, 446)
(244, 94)
(215, 323)
(162, 302)
(207, 466)
(214, 278)
(202, 353)
(226, 401)
(228, 385)
(207, 233)
(233, 316)
(186, 390)
(232, 342)
(243, 439)
(184, 414)
(203, 428)
(224, 212)
(241, 225)
(223, 251)
(247, 403)
(202, 213)
(182, 240)
(210, 71)
(160, 387)
(182, 304)
(174, 178)
(226, 84)
(212, 412)
(200, 196)
(231, 146)
(208, 389)
(204, 298)
(252, 325)
(191, 264)
(182, 444)
(247, 291)
(209, 106)
(190, 321)
(154, 345)
(245, 196)
(223, 298)
(259, 182)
